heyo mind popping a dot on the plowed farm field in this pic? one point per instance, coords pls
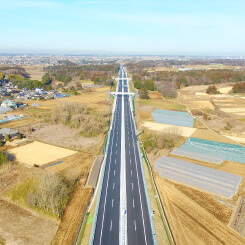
(194, 217)
(75, 166)
(39, 153)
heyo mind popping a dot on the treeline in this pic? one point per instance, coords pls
(239, 88)
(29, 84)
(17, 70)
(167, 89)
(187, 78)
(137, 66)
(66, 71)
(167, 82)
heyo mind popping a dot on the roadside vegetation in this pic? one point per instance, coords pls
(158, 141)
(78, 116)
(47, 192)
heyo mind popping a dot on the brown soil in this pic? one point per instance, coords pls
(233, 168)
(73, 167)
(194, 218)
(19, 226)
(209, 135)
(70, 222)
(146, 115)
(39, 153)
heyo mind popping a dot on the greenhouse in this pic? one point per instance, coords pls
(214, 151)
(203, 178)
(177, 118)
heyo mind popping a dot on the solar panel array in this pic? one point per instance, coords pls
(173, 117)
(206, 179)
(214, 151)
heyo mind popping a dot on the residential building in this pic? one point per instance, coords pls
(9, 103)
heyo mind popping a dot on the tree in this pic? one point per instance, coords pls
(3, 158)
(7, 137)
(137, 84)
(47, 87)
(46, 79)
(239, 88)
(167, 89)
(150, 85)
(143, 93)
(212, 90)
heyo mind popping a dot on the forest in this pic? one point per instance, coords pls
(167, 82)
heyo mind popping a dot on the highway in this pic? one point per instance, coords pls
(123, 216)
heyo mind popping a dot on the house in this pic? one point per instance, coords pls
(11, 132)
(9, 103)
(39, 90)
(36, 96)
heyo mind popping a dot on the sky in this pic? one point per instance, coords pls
(153, 27)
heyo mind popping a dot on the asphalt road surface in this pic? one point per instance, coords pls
(107, 230)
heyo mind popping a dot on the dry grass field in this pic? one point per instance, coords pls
(20, 225)
(225, 90)
(39, 153)
(157, 101)
(96, 99)
(24, 227)
(240, 139)
(160, 127)
(203, 104)
(210, 135)
(36, 71)
(194, 217)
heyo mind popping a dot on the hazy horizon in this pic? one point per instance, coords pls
(109, 27)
